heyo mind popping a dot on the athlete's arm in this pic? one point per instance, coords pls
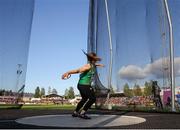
(80, 70)
(99, 65)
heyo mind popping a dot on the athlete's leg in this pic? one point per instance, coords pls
(82, 90)
(91, 100)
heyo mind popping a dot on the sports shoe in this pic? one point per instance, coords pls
(84, 116)
(75, 114)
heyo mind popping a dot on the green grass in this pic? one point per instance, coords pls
(40, 106)
(52, 106)
(71, 107)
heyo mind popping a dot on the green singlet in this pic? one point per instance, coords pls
(85, 77)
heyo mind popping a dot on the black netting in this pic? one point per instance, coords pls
(140, 38)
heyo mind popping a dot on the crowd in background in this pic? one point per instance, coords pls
(124, 101)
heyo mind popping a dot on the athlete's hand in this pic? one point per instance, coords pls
(65, 76)
(100, 65)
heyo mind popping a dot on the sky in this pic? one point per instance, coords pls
(59, 32)
(15, 24)
(140, 41)
(137, 41)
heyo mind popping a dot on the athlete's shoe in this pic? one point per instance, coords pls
(84, 116)
(75, 114)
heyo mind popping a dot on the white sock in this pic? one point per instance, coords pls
(82, 112)
(75, 112)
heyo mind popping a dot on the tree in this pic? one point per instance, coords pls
(49, 90)
(54, 91)
(2, 92)
(66, 93)
(10, 93)
(71, 93)
(147, 89)
(37, 93)
(6, 93)
(42, 92)
(127, 91)
(112, 90)
(137, 90)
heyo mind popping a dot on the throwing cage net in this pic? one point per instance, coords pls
(15, 28)
(133, 40)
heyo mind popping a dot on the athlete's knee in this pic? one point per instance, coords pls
(83, 100)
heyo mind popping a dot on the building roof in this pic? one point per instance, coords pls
(53, 95)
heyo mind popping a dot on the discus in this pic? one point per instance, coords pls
(65, 78)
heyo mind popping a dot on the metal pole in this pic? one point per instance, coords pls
(18, 74)
(171, 45)
(110, 47)
(19, 71)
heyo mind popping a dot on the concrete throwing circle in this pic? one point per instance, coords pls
(67, 120)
